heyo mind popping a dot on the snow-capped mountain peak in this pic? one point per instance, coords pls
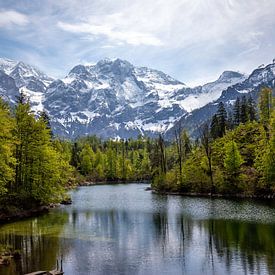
(115, 98)
(7, 65)
(229, 75)
(29, 80)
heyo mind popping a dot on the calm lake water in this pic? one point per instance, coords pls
(122, 229)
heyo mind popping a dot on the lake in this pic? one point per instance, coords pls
(123, 229)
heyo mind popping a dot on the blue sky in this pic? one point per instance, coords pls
(192, 40)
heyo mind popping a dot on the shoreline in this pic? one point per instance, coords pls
(20, 214)
(93, 183)
(208, 195)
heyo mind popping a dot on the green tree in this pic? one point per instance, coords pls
(87, 160)
(244, 110)
(232, 162)
(111, 163)
(251, 109)
(206, 142)
(41, 171)
(214, 127)
(265, 107)
(266, 159)
(7, 161)
(222, 119)
(237, 112)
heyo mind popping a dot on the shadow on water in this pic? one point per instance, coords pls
(36, 239)
(250, 244)
(253, 244)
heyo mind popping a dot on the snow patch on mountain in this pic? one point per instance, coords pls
(36, 99)
(212, 91)
(113, 98)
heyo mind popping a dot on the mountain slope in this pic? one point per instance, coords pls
(28, 79)
(261, 77)
(116, 99)
(8, 89)
(113, 98)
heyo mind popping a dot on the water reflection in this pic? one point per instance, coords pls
(36, 240)
(125, 230)
(253, 244)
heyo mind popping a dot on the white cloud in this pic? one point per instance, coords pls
(192, 40)
(108, 30)
(11, 17)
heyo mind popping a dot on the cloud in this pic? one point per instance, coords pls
(192, 40)
(130, 37)
(11, 17)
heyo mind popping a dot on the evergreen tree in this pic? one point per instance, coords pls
(237, 112)
(230, 120)
(251, 109)
(244, 110)
(222, 119)
(111, 163)
(268, 158)
(214, 127)
(206, 142)
(265, 105)
(45, 117)
(75, 161)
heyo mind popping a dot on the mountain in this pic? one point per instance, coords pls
(113, 98)
(28, 80)
(202, 95)
(8, 88)
(250, 86)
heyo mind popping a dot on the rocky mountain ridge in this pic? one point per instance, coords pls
(114, 99)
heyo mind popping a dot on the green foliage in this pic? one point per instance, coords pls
(7, 160)
(233, 159)
(265, 108)
(33, 168)
(232, 164)
(236, 154)
(112, 160)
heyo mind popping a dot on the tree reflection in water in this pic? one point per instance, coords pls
(36, 239)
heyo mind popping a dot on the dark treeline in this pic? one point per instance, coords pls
(235, 153)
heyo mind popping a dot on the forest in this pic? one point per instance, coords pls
(234, 154)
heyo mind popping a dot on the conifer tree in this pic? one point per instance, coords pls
(214, 127)
(45, 117)
(265, 107)
(206, 142)
(237, 112)
(251, 109)
(244, 110)
(222, 119)
(268, 156)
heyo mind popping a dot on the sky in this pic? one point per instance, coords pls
(194, 41)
